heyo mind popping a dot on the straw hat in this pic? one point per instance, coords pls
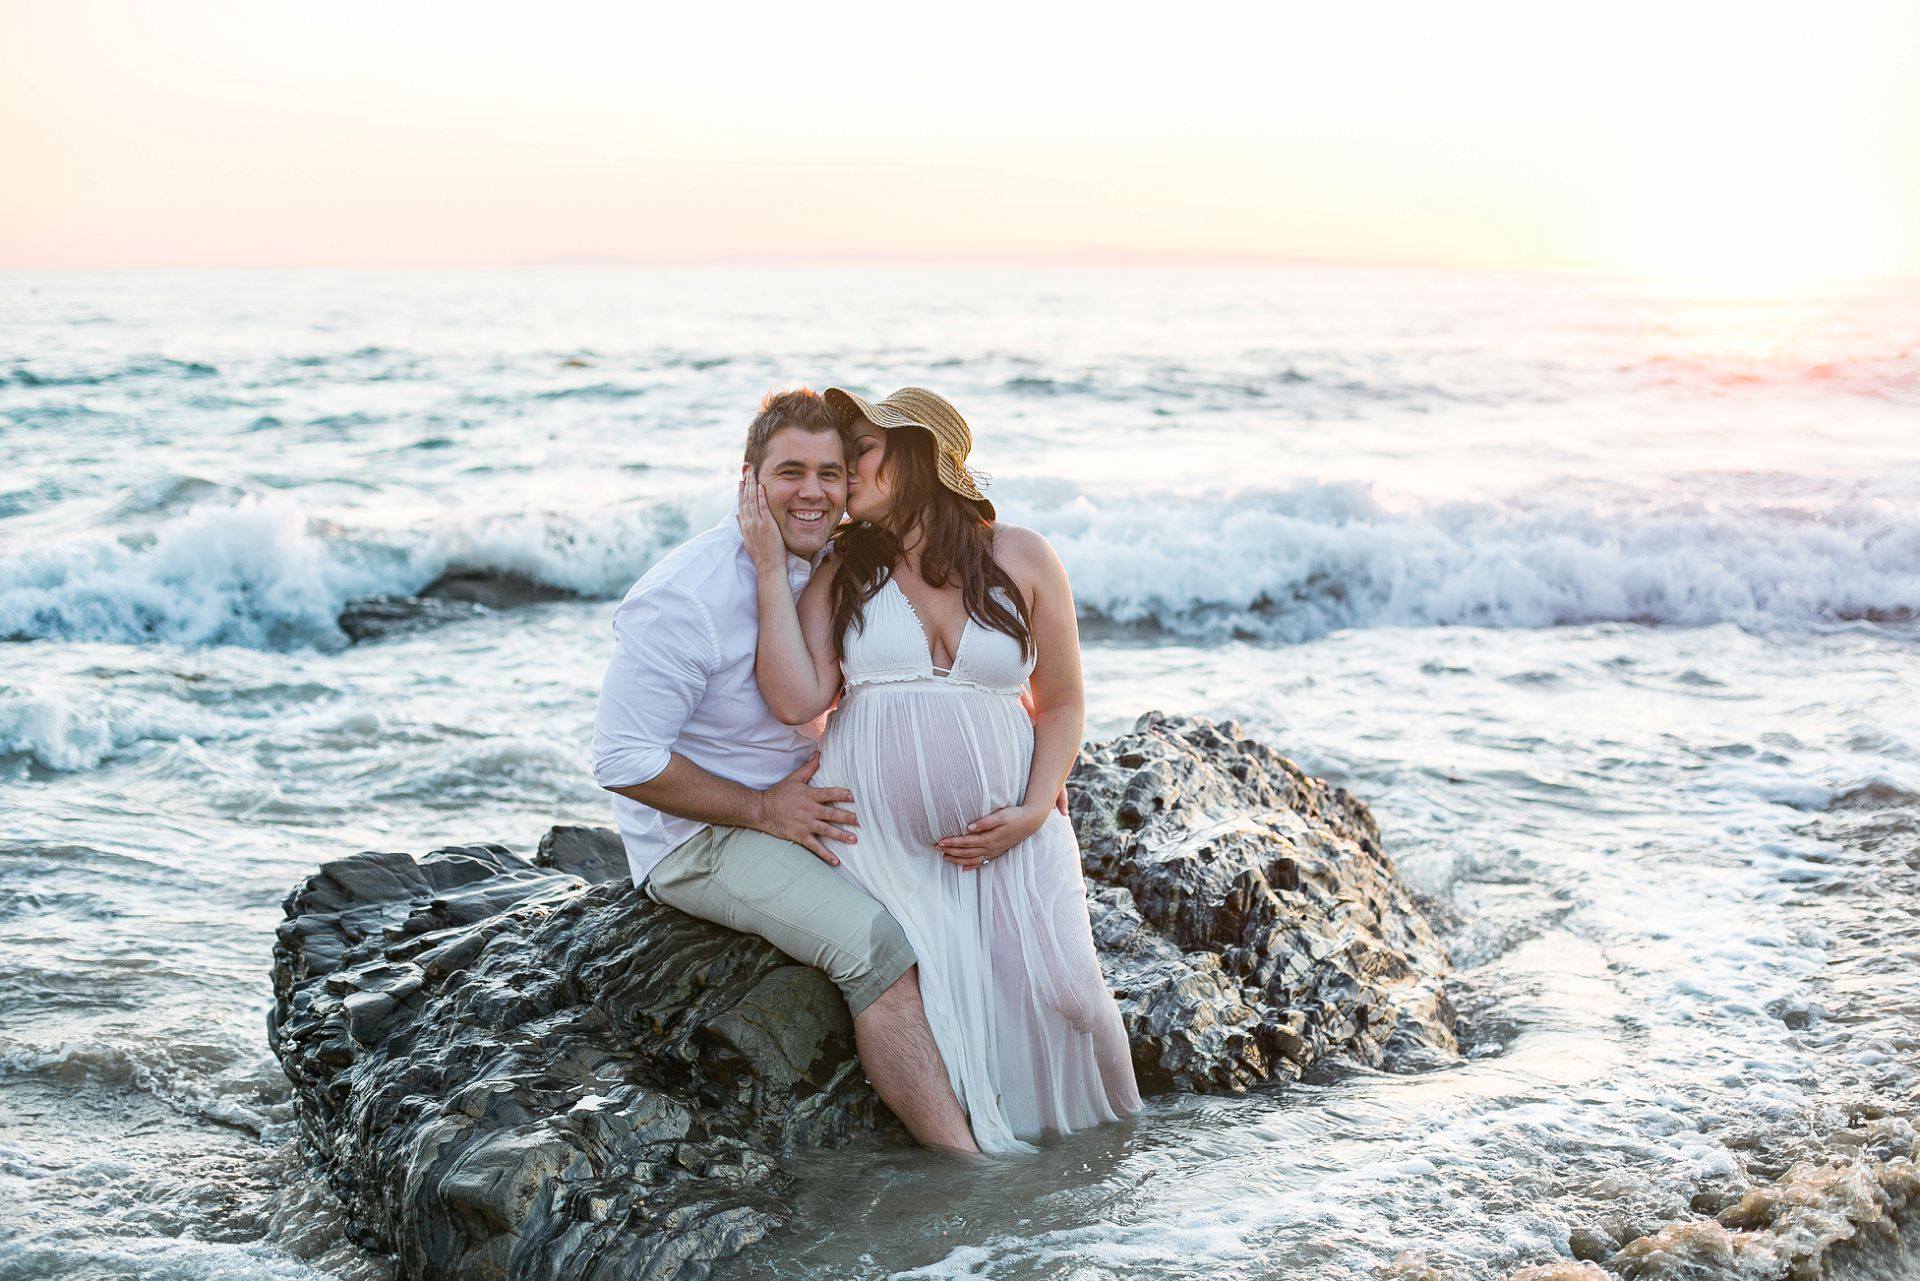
(932, 413)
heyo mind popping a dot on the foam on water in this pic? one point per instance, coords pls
(255, 573)
(59, 730)
(266, 573)
(157, 1258)
(1296, 563)
(206, 1081)
(1282, 564)
(592, 553)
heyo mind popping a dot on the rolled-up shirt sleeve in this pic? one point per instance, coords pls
(664, 652)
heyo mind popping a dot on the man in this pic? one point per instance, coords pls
(711, 791)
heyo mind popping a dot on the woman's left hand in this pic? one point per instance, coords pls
(988, 838)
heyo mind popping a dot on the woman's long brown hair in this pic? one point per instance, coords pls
(956, 546)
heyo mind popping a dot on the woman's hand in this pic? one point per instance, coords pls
(757, 527)
(988, 838)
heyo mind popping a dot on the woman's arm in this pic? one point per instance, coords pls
(1059, 700)
(794, 664)
(1059, 692)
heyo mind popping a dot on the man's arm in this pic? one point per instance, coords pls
(790, 809)
(684, 790)
(663, 654)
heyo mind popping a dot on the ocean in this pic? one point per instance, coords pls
(1605, 597)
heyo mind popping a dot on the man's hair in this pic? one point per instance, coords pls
(800, 407)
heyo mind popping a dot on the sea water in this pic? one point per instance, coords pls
(1604, 595)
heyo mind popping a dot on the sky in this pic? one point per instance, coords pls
(1708, 137)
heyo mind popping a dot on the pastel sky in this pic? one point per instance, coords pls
(1706, 136)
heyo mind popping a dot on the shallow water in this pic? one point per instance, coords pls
(1602, 598)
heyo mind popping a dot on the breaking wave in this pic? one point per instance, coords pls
(1281, 565)
(263, 573)
(1296, 563)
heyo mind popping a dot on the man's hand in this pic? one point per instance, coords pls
(794, 811)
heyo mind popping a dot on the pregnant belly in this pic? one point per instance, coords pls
(923, 764)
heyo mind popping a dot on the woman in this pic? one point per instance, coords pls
(934, 619)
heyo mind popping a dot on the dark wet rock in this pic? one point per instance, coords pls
(492, 589)
(1595, 1242)
(373, 617)
(504, 1071)
(528, 1069)
(591, 853)
(456, 595)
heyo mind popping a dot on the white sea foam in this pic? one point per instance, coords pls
(63, 731)
(596, 553)
(264, 573)
(257, 572)
(1295, 563)
(1284, 564)
(34, 1253)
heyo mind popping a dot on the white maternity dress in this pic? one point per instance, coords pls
(1012, 986)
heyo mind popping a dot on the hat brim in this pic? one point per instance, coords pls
(849, 409)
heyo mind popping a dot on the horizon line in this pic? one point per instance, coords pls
(1115, 259)
(1119, 257)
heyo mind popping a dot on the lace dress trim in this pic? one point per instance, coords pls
(924, 669)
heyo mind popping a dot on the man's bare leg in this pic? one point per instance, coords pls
(903, 1062)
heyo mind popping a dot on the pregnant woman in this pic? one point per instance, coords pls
(928, 622)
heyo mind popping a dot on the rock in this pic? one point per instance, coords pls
(1594, 1242)
(1249, 921)
(578, 1078)
(492, 589)
(528, 1069)
(592, 853)
(456, 595)
(373, 617)
(1560, 1271)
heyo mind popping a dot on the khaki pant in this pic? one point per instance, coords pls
(760, 884)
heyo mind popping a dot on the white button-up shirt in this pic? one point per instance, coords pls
(681, 680)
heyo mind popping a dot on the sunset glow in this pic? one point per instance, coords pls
(1734, 144)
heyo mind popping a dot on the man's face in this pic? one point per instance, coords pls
(805, 475)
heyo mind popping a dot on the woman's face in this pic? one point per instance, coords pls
(869, 488)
